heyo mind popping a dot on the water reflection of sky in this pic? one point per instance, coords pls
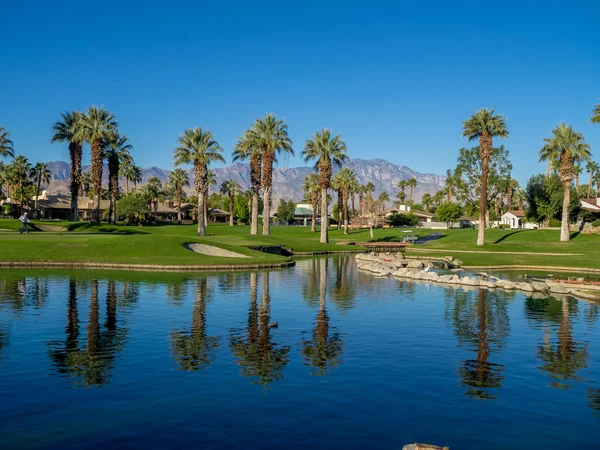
(359, 360)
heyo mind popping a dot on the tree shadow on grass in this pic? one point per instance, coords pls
(497, 241)
(574, 235)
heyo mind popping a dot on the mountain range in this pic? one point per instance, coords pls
(287, 182)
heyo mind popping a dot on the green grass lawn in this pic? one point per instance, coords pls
(163, 244)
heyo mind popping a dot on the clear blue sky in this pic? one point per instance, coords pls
(395, 79)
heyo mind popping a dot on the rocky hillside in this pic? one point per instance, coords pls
(288, 181)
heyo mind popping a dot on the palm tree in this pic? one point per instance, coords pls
(596, 114)
(484, 125)
(593, 168)
(153, 192)
(450, 184)
(211, 180)
(345, 179)
(135, 177)
(116, 152)
(85, 182)
(127, 170)
(230, 188)
(401, 197)
(427, 200)
(245, 149)
(179, 178)
(20, 169)
(199, 148)
(402, 184)
(326, 151)
(270, 135)
(577, 171)
(40, 174)
(565, 146)
(512, 186)
(383, 197)
(311, 188)
(96, 128)
(411, 183)
(6, 145)
(368, 190)
(65, 130)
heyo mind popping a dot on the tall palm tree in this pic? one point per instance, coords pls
(401, 197)
(40, 174)
(95, 128)
(179, 178)
(230, 188)
(577, 170)
(127, 171)
(383, 197)
(199, 148)
(153, 192)
(326, 150)
(271, 136)
(368, 191)
(593, 168)
(403, 184)
(116, 152)
(245, 149)
(450, 184)
(427, 200)
(344, 180)
(411, 183)
(311, 187)
(65, 130)
(484, 125)
(135, 177)
(512, 187)
(6, 145)
(20, 169)
(211, 180)
(565, 146)
(596, 114)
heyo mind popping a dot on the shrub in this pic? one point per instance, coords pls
(448, 212)
(596, 223)
(504, 226)
(554, 223)
(399, 220)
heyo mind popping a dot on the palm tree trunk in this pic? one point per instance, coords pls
(135, 186)
(96, 171)
(449, 194)
(126, 186)
(410, 194)
(254, 219)
(339, 210)
(267, 210)
(577, 183)
(590, 185)
(565, 234)
(39, 186)
(179, 195)
(345, 212)
(201, 224)
(485, 144)
(205, 208)
(230, 210)
(353, 208)
(324, 224)
(360, 203)
(76, 154)
(313, 225)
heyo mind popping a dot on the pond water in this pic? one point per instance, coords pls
(93, 359)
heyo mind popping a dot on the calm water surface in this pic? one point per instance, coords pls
(90, 359)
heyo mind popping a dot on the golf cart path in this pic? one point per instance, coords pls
(413, 249)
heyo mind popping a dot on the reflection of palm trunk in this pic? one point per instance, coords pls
(322, 325)
(565, 337)
(93, 329)
(483, 350)
(253, 312)
(72, 318)
(111, 307)
(199, 312)
(264, 314)
(322, 280)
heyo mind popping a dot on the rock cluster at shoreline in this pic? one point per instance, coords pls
(395, 265)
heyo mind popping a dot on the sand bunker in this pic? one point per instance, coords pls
(211, 250)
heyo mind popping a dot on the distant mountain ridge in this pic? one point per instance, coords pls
(287, 182)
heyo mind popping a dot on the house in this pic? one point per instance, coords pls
(58, 206)
(513, 218)
(218, 215)
(167, 211)
(590, 204)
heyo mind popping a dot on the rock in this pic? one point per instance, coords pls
(557, 288)
(415, 264)
(423, 447)
(487, 284)
(449, 258)
(505, 284)
(527, 287)
(539, 286)
(457, 263)
(399, 255)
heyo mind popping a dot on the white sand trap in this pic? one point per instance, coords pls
(211, 250)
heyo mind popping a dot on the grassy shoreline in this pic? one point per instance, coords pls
(163, 245)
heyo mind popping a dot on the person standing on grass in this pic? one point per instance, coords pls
(24, 221)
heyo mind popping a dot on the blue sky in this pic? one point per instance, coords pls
(396, 79)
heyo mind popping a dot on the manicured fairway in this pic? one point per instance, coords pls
(163, 244)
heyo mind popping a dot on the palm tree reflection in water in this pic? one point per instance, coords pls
(193, 349)
(93, 365)
(324, 350)
(483, 324)
(257, 356)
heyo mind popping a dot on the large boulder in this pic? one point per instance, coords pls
(423, 447)
(415, 264)
(539, 286)
(527, 287)
(506, 284)
(558, 288)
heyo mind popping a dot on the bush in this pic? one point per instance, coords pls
(131, 209)
(504, 226)
(596, 223)
(448, 212)
(554, 223)
(399, 220)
